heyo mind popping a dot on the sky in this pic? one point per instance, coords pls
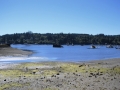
(60, 16)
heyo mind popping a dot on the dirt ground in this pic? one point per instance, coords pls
(94, 75)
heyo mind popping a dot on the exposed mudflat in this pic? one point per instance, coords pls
(94, 75)
(9, 51)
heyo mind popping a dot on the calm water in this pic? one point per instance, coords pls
(67, 53)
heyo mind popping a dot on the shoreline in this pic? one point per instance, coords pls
(9, 51)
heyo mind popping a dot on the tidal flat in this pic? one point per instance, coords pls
(92, 75)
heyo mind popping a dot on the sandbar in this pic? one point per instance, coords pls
(9, 51)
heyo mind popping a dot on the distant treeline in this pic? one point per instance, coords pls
(59, 38)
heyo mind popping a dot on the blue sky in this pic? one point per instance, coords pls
(56, 16)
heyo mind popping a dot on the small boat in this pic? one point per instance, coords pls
(118, 47)
(93, 47)
(109, 46)
(57, 45)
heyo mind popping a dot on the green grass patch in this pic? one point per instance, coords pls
(15, 73)
(49, 72)
(14, 84)
(51, 89)
(72, 68)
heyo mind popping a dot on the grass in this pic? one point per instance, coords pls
(117, 70)
(84, 68)
(49, 72)
(11, 72)
(64, 68)
(13, 84)
(72, 68)
(15, 73)
(20, 70)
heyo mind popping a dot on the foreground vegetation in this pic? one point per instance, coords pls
(61, 76)
(61, 38)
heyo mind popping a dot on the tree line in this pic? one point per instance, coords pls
(59, 38)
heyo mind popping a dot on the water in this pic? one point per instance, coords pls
(75, 53)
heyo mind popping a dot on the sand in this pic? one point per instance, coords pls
(93, 75)
(9, 51)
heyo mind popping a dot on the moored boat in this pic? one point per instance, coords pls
(57, 45)
(117, 47)
(93, 47)
(109, 46)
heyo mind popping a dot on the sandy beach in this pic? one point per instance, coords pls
(9, 51)
(92, 75)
